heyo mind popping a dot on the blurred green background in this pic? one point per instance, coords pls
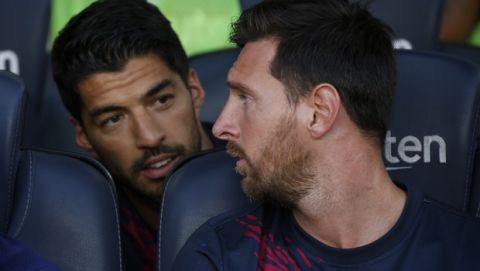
(202, 26)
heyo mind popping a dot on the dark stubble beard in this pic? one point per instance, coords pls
(130, 181)
(282, 175)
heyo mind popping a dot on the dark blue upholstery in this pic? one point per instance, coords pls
(12, 106)
(245, 4)
(467, 52)
(475, 198)
(434, 126)
(57, 132)
(417, 22)
(212, 69)
(62, 206)
(201, 187)
(24, 28)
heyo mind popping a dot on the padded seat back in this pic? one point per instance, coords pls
(24, 26)
(416, 23)
(12, 106)
(199, 188)
(212, 69)
(433, 134)
(63, 206)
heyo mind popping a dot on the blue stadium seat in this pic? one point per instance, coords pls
(475, 197)
(57, 132)
(464, 51)
(201, 187)
(245, 4)
(62, 206)
(212, 69)
(434, 127)
(24, 28)
(416, 23)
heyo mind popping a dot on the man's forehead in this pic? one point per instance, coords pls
(139, 74)
(255, 57)
(253, 63)
(261, 52)
(136, 68)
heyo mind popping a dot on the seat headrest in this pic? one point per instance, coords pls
(12, 104)
(416, 24)
(433, 130)
(208, 178)
(65, 209)
(212, 69)
(24, 25)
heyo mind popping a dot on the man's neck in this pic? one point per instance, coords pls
(355, 222)
(354, 202)
(147, 210)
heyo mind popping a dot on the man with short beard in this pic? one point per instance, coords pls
(135, 103)
(310, 95)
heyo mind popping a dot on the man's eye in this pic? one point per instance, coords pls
(164, 100)
(244, 99)
(111, 120)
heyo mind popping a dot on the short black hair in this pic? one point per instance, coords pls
(104, 37)
(328, 41)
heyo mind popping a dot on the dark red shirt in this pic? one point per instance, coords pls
(139, 239)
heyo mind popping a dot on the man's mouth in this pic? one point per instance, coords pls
(236, 152)
(161, 163)
(159, 167)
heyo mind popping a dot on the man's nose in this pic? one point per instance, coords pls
(225, 126)
(147, 131)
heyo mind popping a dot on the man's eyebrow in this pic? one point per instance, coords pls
(158, 87)
(111, 108)
(238, 86)
(104, 109)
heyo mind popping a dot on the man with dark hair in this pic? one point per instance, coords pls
(310, 94)
(124, 77)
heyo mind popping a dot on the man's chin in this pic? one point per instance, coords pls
(156, 192)
(241, 171)
(155, 197)
(251, 188)
(151, 190)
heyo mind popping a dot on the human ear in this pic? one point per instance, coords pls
(196, 90)
(81, 137)
(325, 104)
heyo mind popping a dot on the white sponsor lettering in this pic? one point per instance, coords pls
(402, 44)
(9, 61)
(411, 150)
